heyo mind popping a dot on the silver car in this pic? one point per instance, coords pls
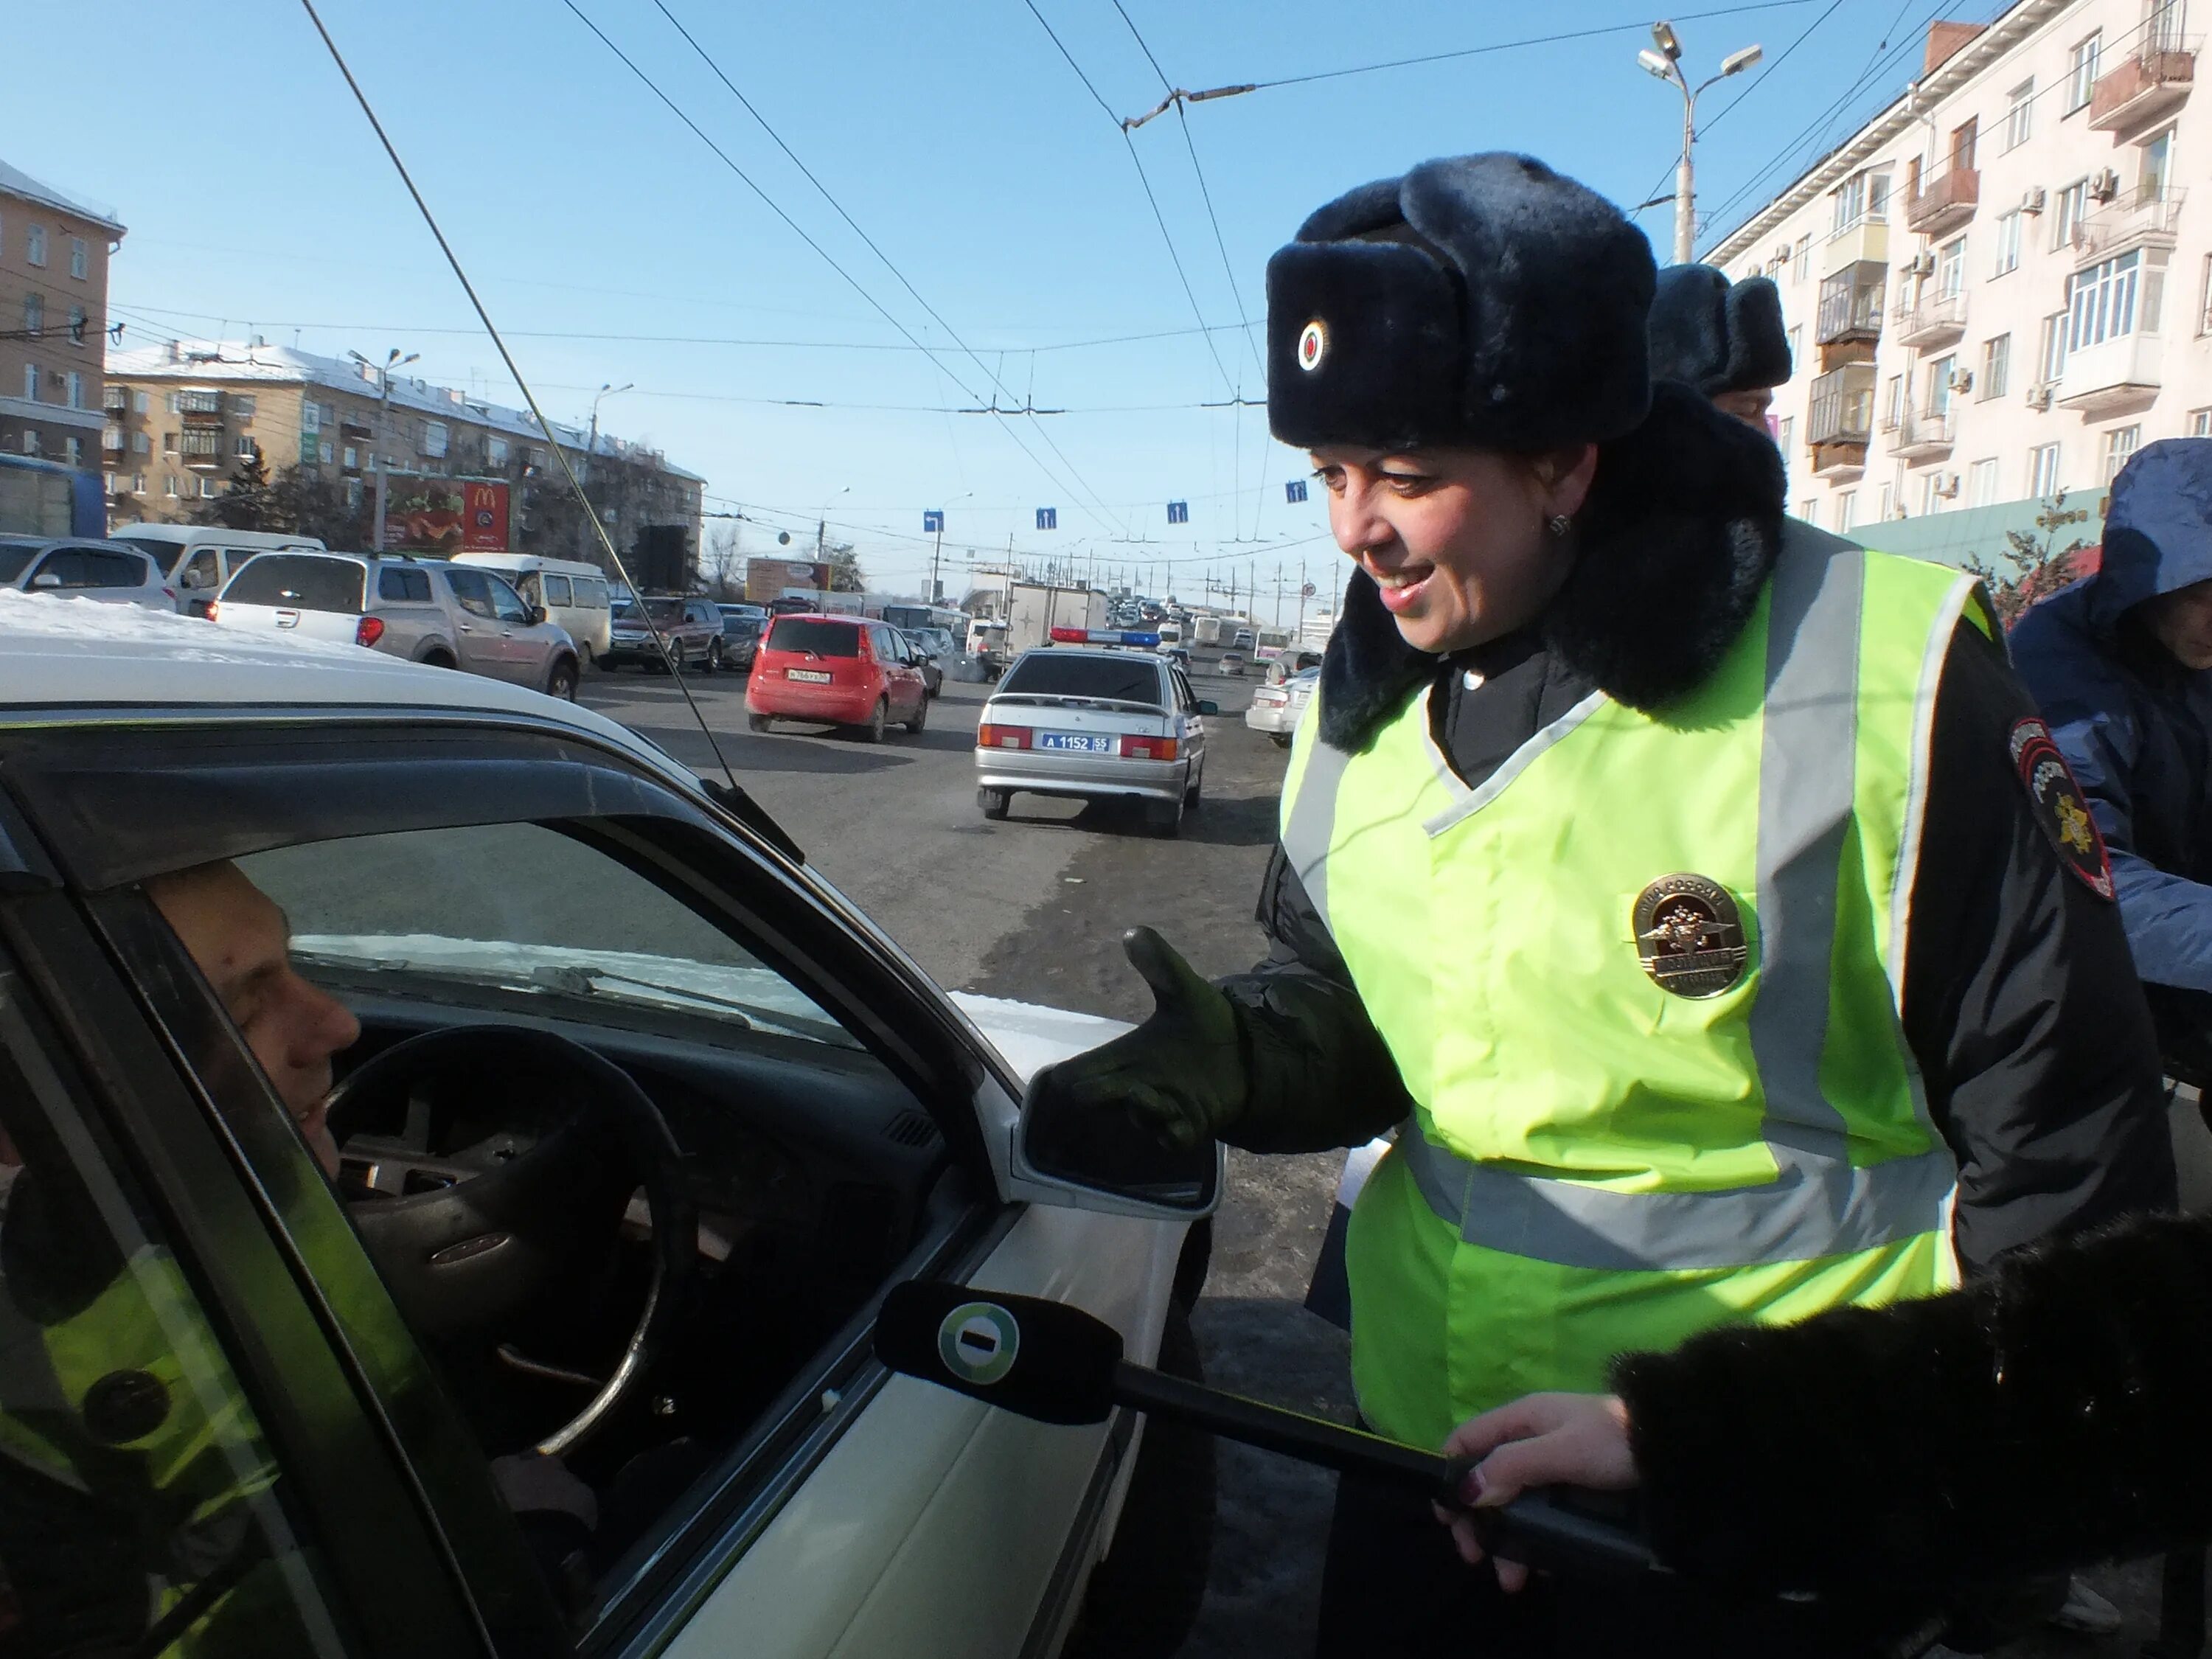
(80, 567)
(1276, 709)
(426, 611)
(1094, 725)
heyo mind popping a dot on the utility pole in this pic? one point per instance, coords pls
(1302, 603)
(1666, 63)
(383, 372)
(936, 553)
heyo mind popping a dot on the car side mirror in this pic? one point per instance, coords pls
(537, 613)
(1106, 1151)
(1209, 707)
(47, 578)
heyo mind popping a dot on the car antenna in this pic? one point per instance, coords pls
(757, 813)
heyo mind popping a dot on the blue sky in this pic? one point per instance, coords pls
(956, 137)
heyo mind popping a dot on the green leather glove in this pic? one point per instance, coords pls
(1181, 1074)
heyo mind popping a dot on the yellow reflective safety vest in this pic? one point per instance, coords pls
(1602, 1156)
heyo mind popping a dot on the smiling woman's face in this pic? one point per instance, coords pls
(1455, 539)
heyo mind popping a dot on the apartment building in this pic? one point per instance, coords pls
(179, 416)
(2000, 287)
(53, 320)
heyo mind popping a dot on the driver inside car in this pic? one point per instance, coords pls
(241, 940)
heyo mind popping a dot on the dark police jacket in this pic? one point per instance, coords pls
(2021, 1005)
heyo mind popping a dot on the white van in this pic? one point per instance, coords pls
(570, 592)
(198, 559)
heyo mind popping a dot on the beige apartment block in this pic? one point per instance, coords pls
(2000, 287)
(181, 416)
(53, 320)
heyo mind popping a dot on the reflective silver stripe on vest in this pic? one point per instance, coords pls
(1817, 1205)
(1312, 824)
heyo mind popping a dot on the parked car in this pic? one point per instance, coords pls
(1277, 709)
(569, 591)
(199, 558)
(423, 610)
(928, 656)
(838, 671)
(1232, 663)
(1094, 725)
(742, 627)
(74, 568)
(691, 628)
(643, 1121)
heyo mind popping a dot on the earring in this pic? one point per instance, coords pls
(1557, 523)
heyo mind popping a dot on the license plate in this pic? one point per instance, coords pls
(1076, 740)
(811, 676)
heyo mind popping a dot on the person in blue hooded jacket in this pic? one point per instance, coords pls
(2121, 664)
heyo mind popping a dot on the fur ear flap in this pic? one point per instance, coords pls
(1367, 671)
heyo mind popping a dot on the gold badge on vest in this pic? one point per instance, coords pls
(1689, 934)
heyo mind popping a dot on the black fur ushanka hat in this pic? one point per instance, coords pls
(1716, 336)
(1478, 299)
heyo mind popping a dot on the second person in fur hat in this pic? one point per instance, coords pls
(1688, 888)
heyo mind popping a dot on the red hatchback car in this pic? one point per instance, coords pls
(843, 671)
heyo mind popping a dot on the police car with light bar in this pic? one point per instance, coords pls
(1094, 722)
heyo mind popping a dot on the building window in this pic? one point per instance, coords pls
(72, 452)
(1784, 431)
(80, 259)
(140, 444)
(1797, 345)
(207, 488)
(1801, 261)
(1951, 268)
(2020, 112)
(141, 403)
(2008, 226)
(242, 405)
(1981, 484)
(244, 447)
(34, 244)
(2155, 167)
(2200, 422)
(1996, 368)
(137, 483)
(168, 443)
(2120, 443)
(1846, 505)
(1931, 493)
(34, 315)
(1937, 402)
(2082, 72)
(2051, 361)
(78, 323)
(30, 383)
(169, 485)
(1892, 405)
(2162, 26)
(2073, 207)
(31, 441)
(1807, 507)
(352, 456)
(75, 382)
(311, 417)
(353, 495)
(496, 451)
(323, 452)
(1888, 502)
(2101, 302)
(204, 444)
(176, 403)
(433, 439)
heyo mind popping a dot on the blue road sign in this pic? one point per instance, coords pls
(932, 521)
(1047, 518)
(1178, 512)
(1295, 490)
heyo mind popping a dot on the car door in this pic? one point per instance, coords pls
(201, 578)
(477, 629)
(851, 1512)
(526, 644)
(110, 575)
(1193, 721)
(904, 679)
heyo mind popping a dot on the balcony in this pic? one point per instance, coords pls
(2144, 87)
(354, 430)
(2111, 377)
(2146, 219)
(203, 449)
(111, 440)
(1940, 205)
(1923, 434)
(1865, 240)
(1849, 321)
(115, 399)
(1935, 319)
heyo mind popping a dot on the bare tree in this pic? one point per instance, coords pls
(2039, 566)
(725, 567)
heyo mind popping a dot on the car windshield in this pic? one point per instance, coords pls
(666, 612)
(815, 634)
(13, 561)
(1063, 674)
(298, 581)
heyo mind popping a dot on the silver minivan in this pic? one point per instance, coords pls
(424, 610)
(1094, 725)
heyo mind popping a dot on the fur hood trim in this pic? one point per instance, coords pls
(1681, 527)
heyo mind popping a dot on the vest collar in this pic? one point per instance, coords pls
(1682, 524)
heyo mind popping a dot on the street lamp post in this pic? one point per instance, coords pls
(1666, 63)
(607, 389)
(383, 372)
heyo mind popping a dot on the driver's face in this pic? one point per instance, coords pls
(242, 943)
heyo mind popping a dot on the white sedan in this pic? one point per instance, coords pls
(560, 1341)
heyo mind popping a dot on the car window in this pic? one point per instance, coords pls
(506, 603)
(15, 561)
(80, 567)
(299, 581)
(1182, 690)
(592, 593)
(822, 638)
(555, 589)
(470, 590)
(1064, 674)
(145, 1507)
(403, 586)
(204, 570)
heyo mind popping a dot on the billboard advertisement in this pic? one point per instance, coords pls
(770, 579)
(444, 516)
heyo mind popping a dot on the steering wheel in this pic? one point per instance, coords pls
(517, 1218)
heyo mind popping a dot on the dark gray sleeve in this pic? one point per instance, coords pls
(2021, 1002)
(1320, 1073)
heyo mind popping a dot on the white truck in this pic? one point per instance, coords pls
(1033, 611)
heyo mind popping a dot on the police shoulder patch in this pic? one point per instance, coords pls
(2057, 803)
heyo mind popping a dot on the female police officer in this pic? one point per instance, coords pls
(1695, 891)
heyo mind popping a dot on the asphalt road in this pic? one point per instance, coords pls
(1034, 908)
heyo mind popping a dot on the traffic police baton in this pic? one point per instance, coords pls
(1056, 1364)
